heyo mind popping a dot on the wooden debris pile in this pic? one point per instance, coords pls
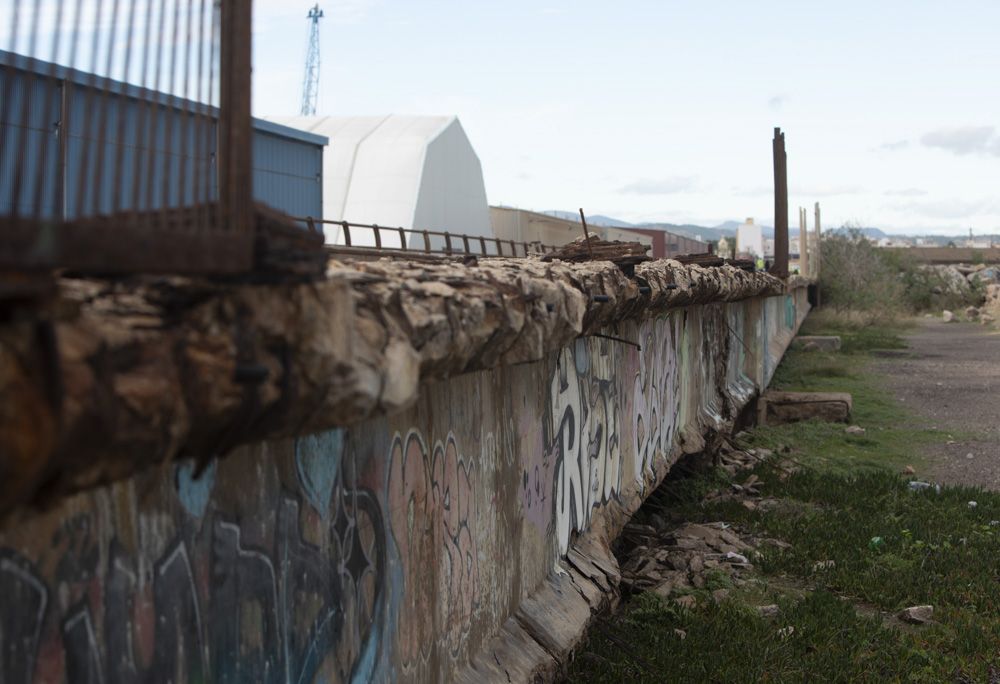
(625, 255)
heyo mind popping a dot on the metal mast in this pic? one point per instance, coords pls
(310, 82)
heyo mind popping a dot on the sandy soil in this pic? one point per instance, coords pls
(950, 378)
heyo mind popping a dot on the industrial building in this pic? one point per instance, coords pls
(522, 225)
(412, 172)
(162, 172)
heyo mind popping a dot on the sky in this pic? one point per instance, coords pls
(663, 110)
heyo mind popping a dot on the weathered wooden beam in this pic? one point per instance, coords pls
(780, 266)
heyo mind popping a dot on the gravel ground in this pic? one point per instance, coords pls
(950, 378)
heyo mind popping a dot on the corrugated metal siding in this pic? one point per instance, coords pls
(97, 133)
(162, 171)
(288, 174)
(24, 168)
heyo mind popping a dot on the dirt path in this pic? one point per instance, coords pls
(950, 377)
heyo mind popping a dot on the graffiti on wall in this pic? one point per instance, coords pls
(656, 396)
(212, 606)
(351, 556)
(433, 507)
(582, 434)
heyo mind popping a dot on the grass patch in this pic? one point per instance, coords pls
(931, 549)
(890, 548)
(892, 438)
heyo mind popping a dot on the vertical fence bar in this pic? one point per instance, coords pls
(378, 236)
(235, 134)
(402, 239)
(427, 241)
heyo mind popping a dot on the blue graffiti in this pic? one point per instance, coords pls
(317, 463)
(193, 491)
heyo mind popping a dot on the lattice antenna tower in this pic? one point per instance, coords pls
(310, 82)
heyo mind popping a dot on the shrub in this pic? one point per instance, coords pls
(857, 276)
(878, 285)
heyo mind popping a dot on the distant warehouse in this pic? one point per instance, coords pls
(523, 225)
(158, 173)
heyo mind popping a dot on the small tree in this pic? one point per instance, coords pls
(857, 276)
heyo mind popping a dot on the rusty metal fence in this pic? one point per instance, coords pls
(362, 239)
(125, 138)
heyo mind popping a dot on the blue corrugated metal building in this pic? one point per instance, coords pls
(72, 115)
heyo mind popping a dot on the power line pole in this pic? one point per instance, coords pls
(310, 82)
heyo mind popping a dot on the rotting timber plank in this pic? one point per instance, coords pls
(117, 375)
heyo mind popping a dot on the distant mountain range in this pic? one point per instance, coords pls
(870, 233)
(690, 230)
(713, 233)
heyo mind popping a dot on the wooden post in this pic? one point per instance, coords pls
(780, 265)
(235, 133)
(803, 243)
(816, 247)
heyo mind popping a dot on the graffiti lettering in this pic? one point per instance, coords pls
(582, 434)
(434, 503)
(656, 397)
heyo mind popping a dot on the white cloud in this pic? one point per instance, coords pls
(894, 146)
(964, 140)
(951, 208)
(664, 186)
(905, 192)
(777, 101)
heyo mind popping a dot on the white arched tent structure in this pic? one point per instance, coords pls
(414, 172)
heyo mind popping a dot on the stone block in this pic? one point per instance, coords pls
(777, 408)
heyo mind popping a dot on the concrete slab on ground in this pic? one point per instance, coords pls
(777, 408)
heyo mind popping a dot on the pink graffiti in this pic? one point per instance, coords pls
(433, 504)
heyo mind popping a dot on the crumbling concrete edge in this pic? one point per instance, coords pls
(120, 376)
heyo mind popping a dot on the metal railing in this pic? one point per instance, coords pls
(385, 240)
(125, 136)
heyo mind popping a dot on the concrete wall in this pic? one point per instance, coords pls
(396, 550)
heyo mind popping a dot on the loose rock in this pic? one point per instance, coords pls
(917, 615)
(769, 611)
(947, 316)
(720, 595)
(686, 601)
(854, 430)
